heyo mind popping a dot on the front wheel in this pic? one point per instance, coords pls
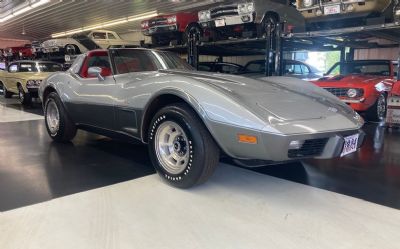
(377, 112)
(182, 150)
(6, 93)
(59, 125)
(24, 98)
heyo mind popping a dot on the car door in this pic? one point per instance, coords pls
(131, 68)
(11, 77)
(112, 39)
(93, 99)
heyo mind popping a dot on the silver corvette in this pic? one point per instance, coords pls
(189, 118)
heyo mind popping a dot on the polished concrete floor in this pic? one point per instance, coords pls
(95, 179)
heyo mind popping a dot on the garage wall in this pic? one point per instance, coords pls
(12, 42)
(135, 36)
(378, 53)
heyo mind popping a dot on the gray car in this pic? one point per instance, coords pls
(188, 118)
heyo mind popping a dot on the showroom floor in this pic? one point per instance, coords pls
(101, 193)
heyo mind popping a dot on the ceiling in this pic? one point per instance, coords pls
(58, 16)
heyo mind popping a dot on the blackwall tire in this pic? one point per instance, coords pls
(24, 98)
(377, 112)
(6, 93)
(188, 155)
(59, 126)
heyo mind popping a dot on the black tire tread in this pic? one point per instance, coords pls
(67, 130)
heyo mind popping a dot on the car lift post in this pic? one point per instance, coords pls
(273, 49)
(193, 48)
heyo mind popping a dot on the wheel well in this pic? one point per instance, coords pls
(157, 103)
(273, 14)
(46, 93)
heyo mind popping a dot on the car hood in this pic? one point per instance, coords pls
(352, 81)
(33, 76)
(276, 99)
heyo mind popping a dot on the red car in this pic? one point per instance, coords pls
(362, 84)
(23, 52)
(165, 28)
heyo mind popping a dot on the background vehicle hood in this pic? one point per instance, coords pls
(33, 76)
(350, 81)
(276, 99)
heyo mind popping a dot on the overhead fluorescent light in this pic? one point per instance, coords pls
(107, 24)
(18, 11)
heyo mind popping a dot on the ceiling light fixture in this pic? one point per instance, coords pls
(107, 24)
(17, 12)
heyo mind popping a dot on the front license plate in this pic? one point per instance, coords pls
(393, 116)
(219, 22)
(350, 144)
(331, 10)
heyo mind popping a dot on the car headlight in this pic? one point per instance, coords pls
(245, 8)
(308, 3)
(382, 87)
(352, 93)
(204, 15)
(145, 24)
(33, 83)
(171, 19)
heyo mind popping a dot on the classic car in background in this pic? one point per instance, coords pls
(21, 52)
(247, 18)
(362, 84)
(220, 67)
(83, 42)
(342, 13)
(166, 28)
(291, 68)
(24, 77)
(187, 116)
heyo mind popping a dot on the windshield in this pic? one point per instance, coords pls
(140, 60)
(39, 67)
(379, 68)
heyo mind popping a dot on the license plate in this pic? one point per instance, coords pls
(393, 116)
(219, 22)
(331, 10)
(350, 144)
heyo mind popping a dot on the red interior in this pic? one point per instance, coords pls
(106, 70)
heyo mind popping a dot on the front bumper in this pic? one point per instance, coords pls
(276, 147)
(160, 29)
(229, 21)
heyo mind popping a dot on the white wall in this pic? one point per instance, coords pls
(377, 53)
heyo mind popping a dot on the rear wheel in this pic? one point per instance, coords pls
(59, 125)
(181, 149)
(194, 29)
(71, 49)
(24, 98)
(377, 112)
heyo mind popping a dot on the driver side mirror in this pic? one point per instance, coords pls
(97, 71)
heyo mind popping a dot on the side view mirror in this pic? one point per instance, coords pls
(96, 71)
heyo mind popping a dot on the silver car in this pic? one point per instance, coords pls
(188, 118)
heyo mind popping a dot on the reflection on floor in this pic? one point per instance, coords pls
(12, 111)
(237, 208)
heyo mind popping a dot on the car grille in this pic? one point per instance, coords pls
(339, 92)
(157, 21)
(228, 10)
(310, 148)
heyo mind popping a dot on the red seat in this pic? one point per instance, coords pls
(106, 70)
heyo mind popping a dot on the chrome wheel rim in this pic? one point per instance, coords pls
(172, 147)
(1, 89)
(52, 117)
(381, 107)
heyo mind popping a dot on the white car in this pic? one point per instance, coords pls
(83, 42)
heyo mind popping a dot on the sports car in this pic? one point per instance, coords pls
(362, 84)
(188, 118)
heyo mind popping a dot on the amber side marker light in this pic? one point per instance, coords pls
(243, 138)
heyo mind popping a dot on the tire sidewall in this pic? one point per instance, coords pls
(194, 169)
(59, 134)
